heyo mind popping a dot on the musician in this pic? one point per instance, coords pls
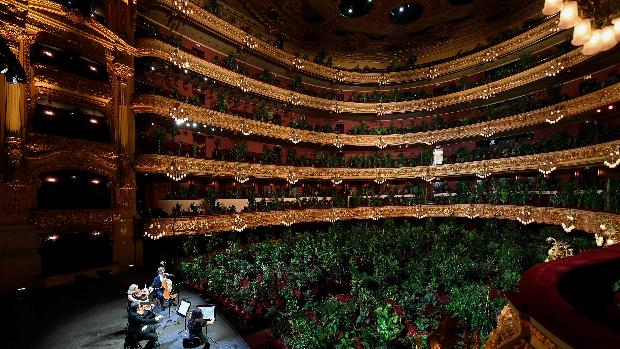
(195, 324)
(142, 327)
(158, 286)
(135, 294)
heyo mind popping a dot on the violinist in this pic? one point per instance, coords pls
(141, 326)
(195, 324)
(135, 294)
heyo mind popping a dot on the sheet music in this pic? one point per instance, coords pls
(208, 312)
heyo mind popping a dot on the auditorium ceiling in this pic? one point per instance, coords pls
(388, 28)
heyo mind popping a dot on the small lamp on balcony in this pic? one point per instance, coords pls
(569, 16)
(552, 7)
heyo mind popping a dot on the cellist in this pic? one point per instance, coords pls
(158, 286)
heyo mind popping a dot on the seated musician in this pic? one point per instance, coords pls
(135, 294)
(195, 324)
(158, 286)
(141, 326)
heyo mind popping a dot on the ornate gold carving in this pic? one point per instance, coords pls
(508, 328)
(226, 223)
(156, 48)
(559, 249)
(68, 219)
(584, 156)
(14, 152)
(146, 103)
(45, 75)
(234, 34)
(45, 153)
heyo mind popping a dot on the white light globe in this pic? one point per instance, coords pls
(582, 32)
(594, 45)
(569, 16)
(552, 7)
(608, 37)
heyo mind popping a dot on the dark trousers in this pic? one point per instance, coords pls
(150, 336)
(203, 339)
(159, 294)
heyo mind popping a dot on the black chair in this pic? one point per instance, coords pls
(131, 342)
(191, 342)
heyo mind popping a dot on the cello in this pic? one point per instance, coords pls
(168, 292)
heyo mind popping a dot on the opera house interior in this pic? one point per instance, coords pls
(304, 174)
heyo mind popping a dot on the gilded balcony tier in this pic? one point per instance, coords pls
(156, 48)
(47, 220)
(233, 34)
(159, 105)
(593, 155)
(46, 153)
(48, 76)
(587, 221)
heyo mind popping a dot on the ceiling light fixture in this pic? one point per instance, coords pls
(596, 24)
(174, 172)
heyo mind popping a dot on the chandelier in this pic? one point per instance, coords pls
(380, 178)
(555, 115)
(569, 223)
(546, 167)
(596, 23)
(417, 212)
(178, 114)
(174, 171)
(177, 59)
(381, 143)
(429, 106)
(337, 108)
(554, 69)
(432, 73)
(382, 79)
(241, 177)
(381, 110)
(487, 131)
(486, 93)
(291, 177)
(238, 224)
(375, 215)
(332, 216)
(294, 137)
(471, 212)
(243, 84)
(288, 219)
(298, 63)
(245, 129)
(154, 232)
(490, 56)
(614, 158)
(183, 7)
(249, 41)
(339, 76)
(429, 178)
(336, 178)
(430, 139)
(293, 98)
(338, 143)
(484, 171)
(525, 217)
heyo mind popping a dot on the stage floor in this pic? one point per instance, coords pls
(96, 316)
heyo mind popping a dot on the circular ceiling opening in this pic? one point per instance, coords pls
(406, 13)
(354, 8)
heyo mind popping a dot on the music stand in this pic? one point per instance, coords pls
(208, 312)
(182, 310)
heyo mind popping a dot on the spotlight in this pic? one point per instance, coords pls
(95, 181)
(48, 112)
(611, 107)
(48, 53)
(93, 121)
(51, 179)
